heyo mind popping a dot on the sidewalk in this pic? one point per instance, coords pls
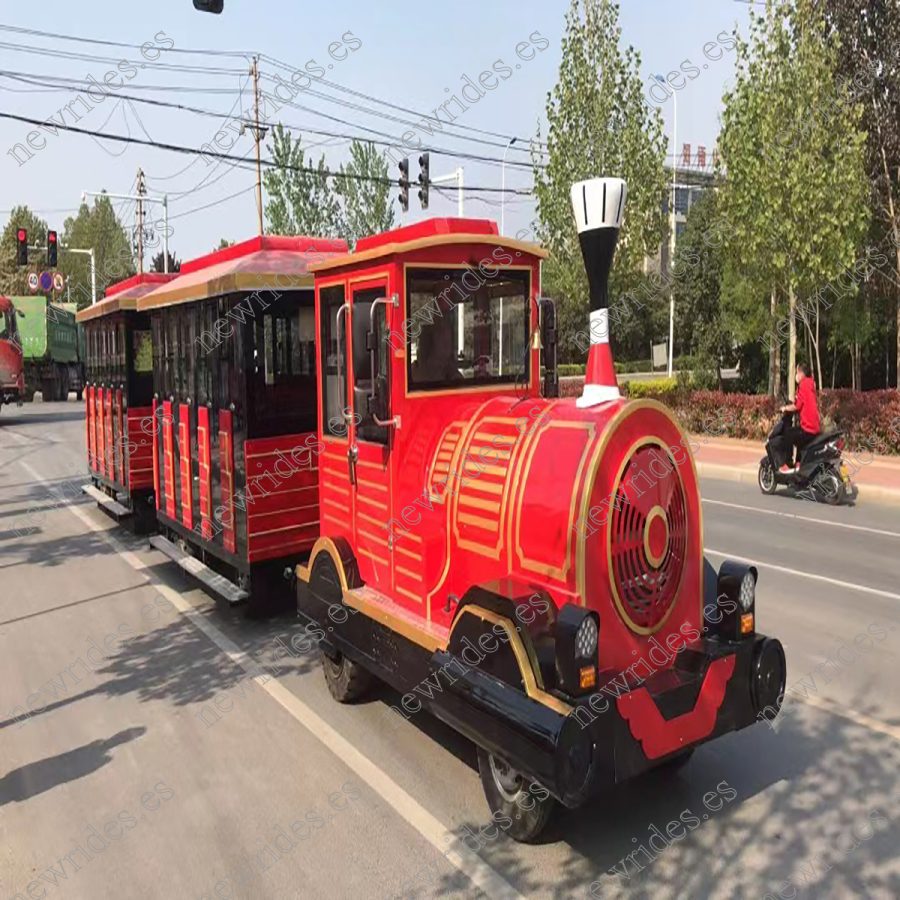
(877, 477)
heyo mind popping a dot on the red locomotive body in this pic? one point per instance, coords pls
(12, 373)
(118, 396)
(528, 568)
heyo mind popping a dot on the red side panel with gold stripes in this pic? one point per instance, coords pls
(155, 445)
(168, 427)
(109, 449)
(99, 419)
(89, 415)
(121, 440)
(184, 460)
(282, 495)
(226, 476)
(140, 448)
(204, 463)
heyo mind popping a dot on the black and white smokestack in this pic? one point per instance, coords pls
(599, 205)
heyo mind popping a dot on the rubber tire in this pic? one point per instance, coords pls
(79, 395)
(527, 824)
(347, 681)
(48, 391)
(63, 384)
(677, 763)
(831, 498)
(766, 466)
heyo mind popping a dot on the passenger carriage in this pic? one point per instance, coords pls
(530, 569)
(234, 414)
(118, 396)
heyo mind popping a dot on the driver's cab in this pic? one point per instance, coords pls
(418, 329)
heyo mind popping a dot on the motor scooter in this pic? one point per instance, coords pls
(820, 474)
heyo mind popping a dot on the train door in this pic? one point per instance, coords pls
(370, 440)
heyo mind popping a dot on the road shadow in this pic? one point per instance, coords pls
(39, 777)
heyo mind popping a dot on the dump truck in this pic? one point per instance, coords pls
(50, 349)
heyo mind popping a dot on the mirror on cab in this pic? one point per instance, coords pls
(549, 373)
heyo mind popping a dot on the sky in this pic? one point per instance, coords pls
(415, 56)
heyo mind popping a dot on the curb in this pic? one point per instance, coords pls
(871, 493)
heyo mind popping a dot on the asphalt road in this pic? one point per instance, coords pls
(157, 745)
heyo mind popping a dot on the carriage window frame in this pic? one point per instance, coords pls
(330, 300)
(434, 272)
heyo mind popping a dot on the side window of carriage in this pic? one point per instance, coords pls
(371, 398)
(334, 361)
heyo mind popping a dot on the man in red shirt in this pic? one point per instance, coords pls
(807, 406)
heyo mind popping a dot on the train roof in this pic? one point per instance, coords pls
(123, 295)
(429, 233)
(263, 263)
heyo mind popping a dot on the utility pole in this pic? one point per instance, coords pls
(141, 190)
(257, 134)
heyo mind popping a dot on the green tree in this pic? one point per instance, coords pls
(794, 200)
(99, 228)
(697, 274)
(158, 266)
(598, 124)
(300, 202)
(365, 193)
(13, 279)
(869, 62)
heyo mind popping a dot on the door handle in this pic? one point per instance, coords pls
(352, 457)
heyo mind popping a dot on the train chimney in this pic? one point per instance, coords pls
(599, 204)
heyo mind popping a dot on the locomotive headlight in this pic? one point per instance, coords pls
(734, 614)
(748, 591)
(577, 633)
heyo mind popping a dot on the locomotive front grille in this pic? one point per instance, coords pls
(647, 538)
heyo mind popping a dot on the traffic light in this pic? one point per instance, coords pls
(52, 249)
(21, 247)
(404, 184)
(424, 179)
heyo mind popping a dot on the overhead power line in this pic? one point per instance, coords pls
(268, 163)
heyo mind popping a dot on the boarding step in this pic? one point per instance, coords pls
(108, 504)
(216, 583)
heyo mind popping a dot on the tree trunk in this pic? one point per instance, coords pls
(821, 380)
(792, 345)
(773, 351)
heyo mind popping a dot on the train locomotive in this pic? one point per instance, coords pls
(527, 568)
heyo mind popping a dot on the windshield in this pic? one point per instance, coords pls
(466, 330)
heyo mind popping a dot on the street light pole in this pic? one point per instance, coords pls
(662, 80)
(503, 186)
(457, 176)
(90, 252)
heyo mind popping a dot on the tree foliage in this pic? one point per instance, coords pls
(158, 266)
(13, 279)
(794, 200)
(598, 124)
(317, 204)
(95, 226)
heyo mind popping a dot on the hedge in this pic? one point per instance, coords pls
(870, 420)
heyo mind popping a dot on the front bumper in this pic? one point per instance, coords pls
(714, 687)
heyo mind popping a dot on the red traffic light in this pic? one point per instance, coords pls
(51, 237)
(22, 235)
(21, 247)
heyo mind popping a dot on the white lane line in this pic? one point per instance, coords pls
(480, 873)
(858, 718)
(844, 584)
(785, 515)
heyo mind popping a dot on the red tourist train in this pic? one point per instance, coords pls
(530, 569)
(118, 395)
(12, 373)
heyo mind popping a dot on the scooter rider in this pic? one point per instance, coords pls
(807, 405)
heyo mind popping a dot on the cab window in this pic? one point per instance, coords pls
(465, 328)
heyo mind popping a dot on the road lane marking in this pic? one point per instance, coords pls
(479, 872)
(844, 584)
(786, 515)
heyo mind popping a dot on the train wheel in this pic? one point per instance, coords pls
(528, 807)
(347, 681)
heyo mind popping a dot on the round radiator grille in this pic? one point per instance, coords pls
(647, 538)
